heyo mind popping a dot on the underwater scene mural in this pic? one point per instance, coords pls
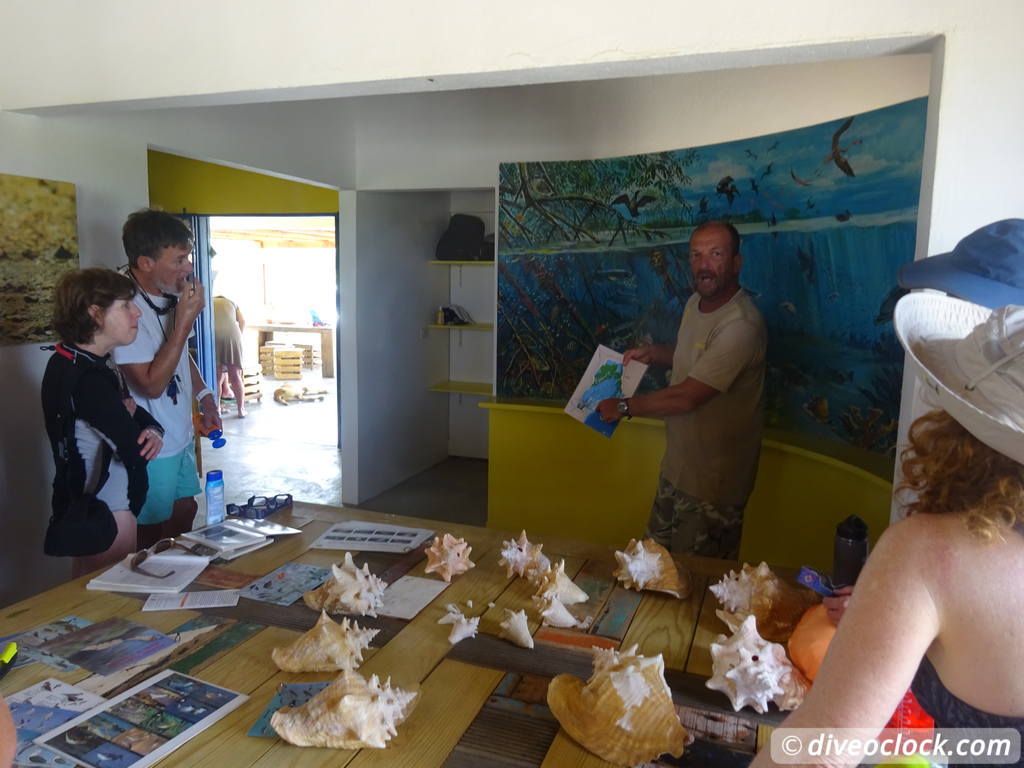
(595, 252)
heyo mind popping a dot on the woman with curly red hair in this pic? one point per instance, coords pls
(938, 607)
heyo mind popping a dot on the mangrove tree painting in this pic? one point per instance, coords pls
(38, 244)
(595, 252)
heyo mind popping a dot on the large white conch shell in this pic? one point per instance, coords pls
(352, 590)
(752, 671)
(516, 629)
(327, 647)
(554, 582)
(758, 592)
(448, 556)
(461, 626)
(553, 612)
(648, 565)
(350, 713)
(523, 558)
(624, 713)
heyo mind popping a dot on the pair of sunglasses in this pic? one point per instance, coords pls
(161, 546)
(260, 506)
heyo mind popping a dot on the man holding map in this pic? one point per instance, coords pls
(713, 406)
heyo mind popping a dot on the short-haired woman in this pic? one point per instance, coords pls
(113, 437)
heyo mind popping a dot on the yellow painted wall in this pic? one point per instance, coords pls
(553, 476)
(183, 185)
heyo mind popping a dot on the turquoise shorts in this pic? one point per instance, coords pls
(170, 478)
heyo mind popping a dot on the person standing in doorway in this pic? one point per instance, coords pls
(160, 371)
(228, 324)
(713, 408)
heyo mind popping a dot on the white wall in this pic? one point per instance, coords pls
(110, 182)
(402, 427)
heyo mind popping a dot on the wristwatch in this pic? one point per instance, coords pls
(623, 408)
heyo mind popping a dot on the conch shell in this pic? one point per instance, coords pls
(776, 605)
(461, 626)
(350, 713)
(516, 629)
(553, 582)
(327, 647)
(752, 671)
(648, 565)
(624, 713)
(553, 612)
(352, 590)
(448, 556)
(523, 558)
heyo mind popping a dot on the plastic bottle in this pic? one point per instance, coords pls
(850, 551)
(215, 436)
(215, 510)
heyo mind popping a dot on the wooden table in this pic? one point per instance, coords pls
(480, 701)
(266, 332)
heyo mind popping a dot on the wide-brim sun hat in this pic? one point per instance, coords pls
(971, 360)
(986, 267)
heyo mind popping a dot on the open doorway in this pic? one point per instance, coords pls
(274, 297)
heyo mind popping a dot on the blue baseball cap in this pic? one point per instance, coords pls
(986, 267)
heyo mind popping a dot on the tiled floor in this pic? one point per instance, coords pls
(293, 449)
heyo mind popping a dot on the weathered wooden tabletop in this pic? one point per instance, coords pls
(481, 701)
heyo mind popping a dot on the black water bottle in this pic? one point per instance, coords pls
(850, 551)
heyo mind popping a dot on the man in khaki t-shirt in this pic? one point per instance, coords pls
(713, 406)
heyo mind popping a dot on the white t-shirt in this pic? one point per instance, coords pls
(175, 418)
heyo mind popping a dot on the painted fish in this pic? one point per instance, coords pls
(789, 306)
(817, 408)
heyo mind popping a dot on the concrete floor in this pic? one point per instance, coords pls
(293, 449)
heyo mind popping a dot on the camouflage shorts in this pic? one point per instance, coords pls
(688, 526)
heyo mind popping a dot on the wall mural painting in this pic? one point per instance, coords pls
(594, 252)
(38, 244)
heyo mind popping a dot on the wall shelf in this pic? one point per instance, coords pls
(469, 327)
(462, 263)
(484, 388)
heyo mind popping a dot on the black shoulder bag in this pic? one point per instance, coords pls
(81, 524)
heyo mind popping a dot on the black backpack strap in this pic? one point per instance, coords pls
(66, 419)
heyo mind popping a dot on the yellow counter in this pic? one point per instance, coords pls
(552, 475)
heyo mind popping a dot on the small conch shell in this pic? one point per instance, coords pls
(327, 647)
(516, 629)
(648, 565)
(776, 605)
(553, 612)
(350, 713)
(448, 557)
(352, 590)
(624, 712)
(554, 582)
(523, 558)
(461, 626)
(752, 671)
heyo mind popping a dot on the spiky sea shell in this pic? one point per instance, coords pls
(624, 712)
(327, 647)
(516, 629)
(753, 672)
(776, 604)
(461, 626)
(554, 582)
(553, 612)
(350, 713)
(523, 558)
(448, 556)
(648, 565)
(352, 590)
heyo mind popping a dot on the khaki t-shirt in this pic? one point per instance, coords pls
(712, 451)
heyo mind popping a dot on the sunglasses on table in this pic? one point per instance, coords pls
(260, 506)
(161, 546)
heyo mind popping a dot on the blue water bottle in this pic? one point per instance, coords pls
(214, 497)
